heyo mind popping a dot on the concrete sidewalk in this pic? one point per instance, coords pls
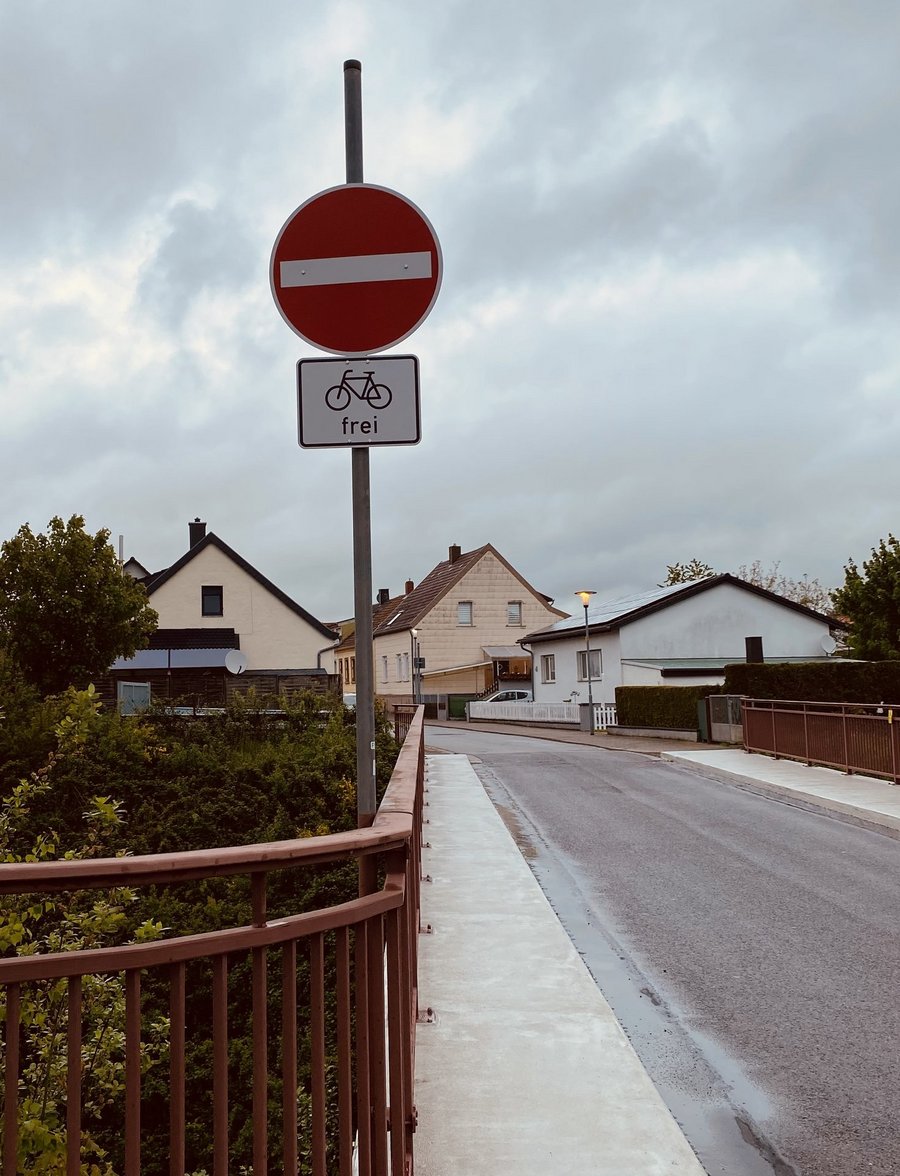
(524, 1071)
(864, 800)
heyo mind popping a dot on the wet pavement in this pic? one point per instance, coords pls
(726, 1142)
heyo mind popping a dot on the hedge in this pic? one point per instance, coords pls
(671, 707)
(831, 681)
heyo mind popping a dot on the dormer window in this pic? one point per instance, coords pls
(211, 604)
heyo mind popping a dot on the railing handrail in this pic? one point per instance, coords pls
(875, 708)
(390, 830)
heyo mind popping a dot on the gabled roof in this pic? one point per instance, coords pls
(212, 540)
(613, 614)
(379, 613)
(410, 609)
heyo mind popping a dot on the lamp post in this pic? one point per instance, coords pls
(586, 594)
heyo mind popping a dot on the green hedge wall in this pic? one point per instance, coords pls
(674, 707)
(831, 681)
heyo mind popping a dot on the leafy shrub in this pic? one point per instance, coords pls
(669, 707)
(831, 681)
(179, 783)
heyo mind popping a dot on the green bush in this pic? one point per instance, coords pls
(670, 707)
(182, 783)
(831, 681)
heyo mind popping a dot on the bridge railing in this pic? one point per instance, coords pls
(362, 997)
(855, 737)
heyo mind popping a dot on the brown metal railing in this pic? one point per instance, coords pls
(855, 737)
(362, 995)
(404, 712)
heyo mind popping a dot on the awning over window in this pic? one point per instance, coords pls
(173, 659)
(505, 651)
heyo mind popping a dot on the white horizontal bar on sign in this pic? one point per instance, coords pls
(370, 267)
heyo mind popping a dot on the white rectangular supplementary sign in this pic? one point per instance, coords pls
(346, 402)
(369, 267)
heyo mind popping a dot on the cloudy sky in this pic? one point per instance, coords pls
(668, 320)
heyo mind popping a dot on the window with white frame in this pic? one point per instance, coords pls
(596, 665)
(514, 612)
(384, 668)
(464, 613)
(404, 674)
(548, 667)
(399, 667)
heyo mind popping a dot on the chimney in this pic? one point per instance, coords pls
(409, 587)
(455, 553)
(196, 532)
(384, 595)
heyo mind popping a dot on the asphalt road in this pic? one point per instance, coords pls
(749, 948)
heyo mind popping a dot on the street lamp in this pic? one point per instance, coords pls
(586, 594)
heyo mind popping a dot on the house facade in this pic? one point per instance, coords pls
(679, 635)
(224, 626)
(456, 634)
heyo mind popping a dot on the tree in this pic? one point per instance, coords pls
(806, 591)
(67, 610)
(871, 601)
(682, 573)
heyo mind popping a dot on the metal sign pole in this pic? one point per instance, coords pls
(362, 535)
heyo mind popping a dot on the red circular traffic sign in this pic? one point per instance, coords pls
(355, 269)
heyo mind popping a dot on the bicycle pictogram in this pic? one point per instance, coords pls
(375, 395)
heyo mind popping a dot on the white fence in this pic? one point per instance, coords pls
(541, 712)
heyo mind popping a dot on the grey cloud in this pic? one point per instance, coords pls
(204, 249)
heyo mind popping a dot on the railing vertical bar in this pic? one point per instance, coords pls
(846, 744)
(11, 1081)
(220, 1064)
(375, 944)
(407, 976)
(73, 1078)
(363, 1085)
(344, 1051)
(132, 1072)
(176, 1069)
(398, 1029)
(317, 1033)
(289, 1055)
(260, 1033)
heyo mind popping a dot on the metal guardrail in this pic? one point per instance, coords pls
(855, 737)
(362, 994)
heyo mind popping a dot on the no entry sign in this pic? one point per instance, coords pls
(355, 269)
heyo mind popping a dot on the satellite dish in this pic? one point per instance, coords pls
(829, 645)
(235, 661)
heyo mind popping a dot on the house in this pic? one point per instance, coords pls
(223, 626)
(682, 634)
(456, 634)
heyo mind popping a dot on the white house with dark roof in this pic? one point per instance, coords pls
(212, 603)
(682, 634)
